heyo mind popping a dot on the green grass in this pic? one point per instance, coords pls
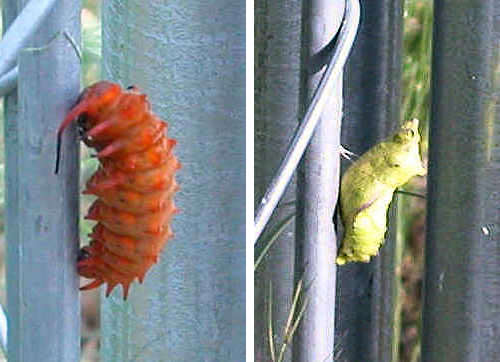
(416, 63)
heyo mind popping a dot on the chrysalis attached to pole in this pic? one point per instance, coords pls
(367, 188)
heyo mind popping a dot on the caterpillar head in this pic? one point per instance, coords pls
(84, 260)
(90, 102)
(403, 154)
(408, 133)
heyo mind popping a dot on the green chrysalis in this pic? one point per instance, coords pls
(367, 188)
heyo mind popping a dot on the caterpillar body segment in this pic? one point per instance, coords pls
(367, 188)
(135, 184)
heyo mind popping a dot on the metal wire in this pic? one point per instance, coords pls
(8, 81)
(21, 30)
(306, 128)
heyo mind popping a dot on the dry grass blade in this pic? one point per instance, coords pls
(296, 296)
(270, 322)
(292, 323)
(273, 236)
(299, 318)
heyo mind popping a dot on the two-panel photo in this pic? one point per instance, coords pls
(265, 181)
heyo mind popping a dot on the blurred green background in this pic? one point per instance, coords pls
(416, 104)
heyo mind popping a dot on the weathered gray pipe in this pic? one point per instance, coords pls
(317, 188)
(189, 57)
(42, 221)
(277, 57)
(9, 13)
(462, 289)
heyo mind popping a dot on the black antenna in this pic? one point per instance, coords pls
(58, 151)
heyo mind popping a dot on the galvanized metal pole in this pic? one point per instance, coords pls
(462, 289)
(317, 192)
(277, 66)
(366, 292)
(42, 228)
(189, 56)
(9, 13)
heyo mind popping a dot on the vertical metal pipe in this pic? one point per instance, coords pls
(462, 289)
(42, 228)
(189, 57)
(277, 65)
(366, 292)
(317, 193)
(9, 13)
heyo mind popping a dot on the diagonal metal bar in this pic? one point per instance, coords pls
(20, 31)
(8, 81)
(307, 126)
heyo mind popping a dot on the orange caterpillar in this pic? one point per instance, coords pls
(135, 184)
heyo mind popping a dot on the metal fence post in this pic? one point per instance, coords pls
(366, 292)
(277, 65)
(189, 57)
(462, 289)
(317, 189)
(42, 224)
(9, 12)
